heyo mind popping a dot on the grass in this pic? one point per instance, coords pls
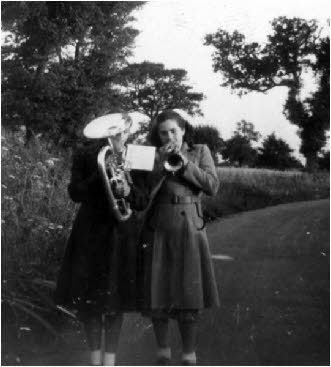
(243, 189)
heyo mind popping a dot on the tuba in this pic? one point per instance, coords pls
(115, 128)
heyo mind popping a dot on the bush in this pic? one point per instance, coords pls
(36, 219)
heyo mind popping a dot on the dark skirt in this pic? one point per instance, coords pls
(98, 273)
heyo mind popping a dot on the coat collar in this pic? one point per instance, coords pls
(185, 148)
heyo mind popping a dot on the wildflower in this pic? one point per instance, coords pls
(8, 197)
(4, 148)
(17, 157)
(51, 226)
(3, 186)
(12, 177)
(59, 227)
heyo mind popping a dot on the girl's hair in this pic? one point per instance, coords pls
(154, 137)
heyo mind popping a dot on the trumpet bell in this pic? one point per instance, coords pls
(174, 163)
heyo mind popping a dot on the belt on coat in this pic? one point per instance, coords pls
(175, 199)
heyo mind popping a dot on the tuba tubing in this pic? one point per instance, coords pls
(113, 202)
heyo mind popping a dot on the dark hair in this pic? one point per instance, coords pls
(154, 137)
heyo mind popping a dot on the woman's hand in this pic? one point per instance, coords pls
(165, 150)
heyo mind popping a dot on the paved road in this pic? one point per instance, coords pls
(272, 267)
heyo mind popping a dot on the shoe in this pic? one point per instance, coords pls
(163, 361)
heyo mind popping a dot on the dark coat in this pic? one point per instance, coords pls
(176, 270)
(99, 267)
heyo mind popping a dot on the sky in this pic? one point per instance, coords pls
(172, 33)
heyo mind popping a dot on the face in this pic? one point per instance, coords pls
(170, 132)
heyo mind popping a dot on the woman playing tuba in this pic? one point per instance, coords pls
(97, 277)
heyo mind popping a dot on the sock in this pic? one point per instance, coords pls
(164, 353)
(109, 359)
(95, 357)
(189, 357)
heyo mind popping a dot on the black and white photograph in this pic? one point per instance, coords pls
(165, 183)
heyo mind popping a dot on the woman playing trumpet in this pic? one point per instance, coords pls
(176, 273)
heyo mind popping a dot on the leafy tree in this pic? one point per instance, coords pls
(324, 161)
(239, 151)
(293, 47)
(59, 62)
(276, 153)
(150, 88)
(207, 134)
(246, 129)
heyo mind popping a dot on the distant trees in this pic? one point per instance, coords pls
(275, 153)
(238, 150)
(210, 135)
(59, 62)
(294, 46)
(324, 161)
(150, 88)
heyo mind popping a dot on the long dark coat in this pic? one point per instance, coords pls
(98, 273)
(176, 270)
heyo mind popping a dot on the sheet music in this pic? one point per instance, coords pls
(139, 157)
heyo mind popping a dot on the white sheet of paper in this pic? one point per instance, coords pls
(140, 157)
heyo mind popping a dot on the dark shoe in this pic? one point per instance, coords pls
(163, 361)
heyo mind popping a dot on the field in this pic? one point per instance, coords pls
(243, 189)
(37, 215)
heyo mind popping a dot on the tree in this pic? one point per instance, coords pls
(150, 88)
(294, 46)
(59, 62)
(207, 134)
(246, 129)
(238, 149)
(239, 152)
(324, 161)
(275, 153)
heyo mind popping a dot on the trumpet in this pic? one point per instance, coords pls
(173, 163)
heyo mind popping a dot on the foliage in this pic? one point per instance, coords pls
(293, 47)
(36, 218)
(243, 189)
(324, 161)
(208, 134)
(59, 60)
(247, 130)
(276, 153)
(151, 88)
(238, 150)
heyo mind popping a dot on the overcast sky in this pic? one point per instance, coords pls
(172, 32)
